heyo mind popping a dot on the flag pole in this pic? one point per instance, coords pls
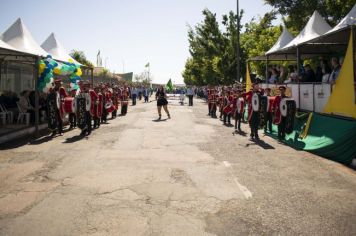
(238, 43)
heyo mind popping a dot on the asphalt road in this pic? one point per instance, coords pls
(188, 175)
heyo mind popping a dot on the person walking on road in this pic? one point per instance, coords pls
(190, 94)
(161, 97)
(134, 93)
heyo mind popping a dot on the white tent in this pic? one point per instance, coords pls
(20, 38)
(315, 27)
(282, 41)
(5, 45)
(349, 19)
(56, 49)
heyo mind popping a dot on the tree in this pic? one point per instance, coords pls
(259, 37)
(213, 52)
(297, 12)
(80, 57)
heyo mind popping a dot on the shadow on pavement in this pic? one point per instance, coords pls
(242, 133)
(261, 143)
(74, 139)
(160, 120)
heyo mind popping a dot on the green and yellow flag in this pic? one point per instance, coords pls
(169, 86)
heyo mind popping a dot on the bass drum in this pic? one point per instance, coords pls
(81, 109)
(52, 110)
(291, 108)
(69, 105)
(256, 102)
(264, 104)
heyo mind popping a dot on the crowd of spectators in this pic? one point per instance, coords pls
(324, 72)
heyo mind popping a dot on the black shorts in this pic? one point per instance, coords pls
(162, 102)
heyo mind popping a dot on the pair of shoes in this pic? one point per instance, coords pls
(60, 134)
(159, 117)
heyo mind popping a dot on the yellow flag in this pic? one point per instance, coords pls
(248, 79)
(342, 99)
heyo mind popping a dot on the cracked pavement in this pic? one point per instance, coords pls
(185, 176)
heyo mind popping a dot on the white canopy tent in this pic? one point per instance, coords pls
(4, 45)
(56, 49)
(340, 34)
(20, 38)
(315, 27)
(282, 41)
(349, 19)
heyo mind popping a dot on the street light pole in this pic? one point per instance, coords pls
(106, 58)
(238, 43)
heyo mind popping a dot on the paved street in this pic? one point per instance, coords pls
(185, 176)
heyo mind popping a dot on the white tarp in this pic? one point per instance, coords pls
(282, 41)
(20, 38)
(349, 19)
(315, 27)
(56, 49)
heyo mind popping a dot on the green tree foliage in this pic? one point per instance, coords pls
(297, 12)
(258, 38)
(213, 52)
(80, 57)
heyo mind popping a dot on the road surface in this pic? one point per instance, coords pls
(185, 176)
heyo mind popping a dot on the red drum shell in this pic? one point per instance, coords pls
(69, 105)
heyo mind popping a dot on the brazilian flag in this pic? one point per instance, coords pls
(169, 86)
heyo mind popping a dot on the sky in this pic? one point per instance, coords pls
(128, 33)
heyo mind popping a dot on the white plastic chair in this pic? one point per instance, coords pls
(9, 114)
(23, 116)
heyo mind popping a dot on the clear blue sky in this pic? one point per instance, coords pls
(128, 32)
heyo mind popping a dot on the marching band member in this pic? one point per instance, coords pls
(104, 113)
(94, 97)
(253, 116)
(115, 102)
(228, 106)
(240, 104)
(87, 116)
(268, 115)
(72, 116)
(99, 110)
(282, 122)
(124, 100)
(58, 90)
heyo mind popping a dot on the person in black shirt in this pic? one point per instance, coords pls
(162, 101)
(309, 75)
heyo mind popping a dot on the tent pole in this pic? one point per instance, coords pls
(37, 114)
(353, 32)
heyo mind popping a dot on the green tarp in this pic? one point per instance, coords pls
(329, 137)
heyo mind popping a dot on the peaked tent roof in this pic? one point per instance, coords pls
(315, 27)
(282, 41)
(56, 49)
(20, 38)
(5, 45)
(349, 19)
(340, 34)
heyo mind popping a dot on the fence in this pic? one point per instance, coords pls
(308, 96)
